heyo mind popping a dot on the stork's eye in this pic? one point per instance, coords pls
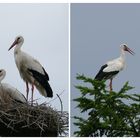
(125, 47)
(0, 71)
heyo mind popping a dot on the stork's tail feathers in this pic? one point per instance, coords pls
(43, 81)
(48, 89)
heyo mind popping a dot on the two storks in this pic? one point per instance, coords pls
(32, 72)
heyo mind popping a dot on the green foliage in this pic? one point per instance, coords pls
(109, 113)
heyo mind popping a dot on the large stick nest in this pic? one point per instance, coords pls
(24, 120)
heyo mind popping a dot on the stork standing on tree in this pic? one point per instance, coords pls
(113, 67)
(31, 70)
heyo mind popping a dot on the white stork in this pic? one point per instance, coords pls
(31, 71)
(12, 92)
(113, 67)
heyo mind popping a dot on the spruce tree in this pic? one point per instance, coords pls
(109, 113)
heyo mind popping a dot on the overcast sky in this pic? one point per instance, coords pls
(97, 30)
(45, 31)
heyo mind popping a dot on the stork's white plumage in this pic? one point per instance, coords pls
(31, 70)
(10, 91)
(113, 67)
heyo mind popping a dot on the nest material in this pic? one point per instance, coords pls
(24, 120)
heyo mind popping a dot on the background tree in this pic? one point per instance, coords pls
(109, 113)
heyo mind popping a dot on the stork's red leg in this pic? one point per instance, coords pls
(32, 93)
(27, 90)
(110, 85)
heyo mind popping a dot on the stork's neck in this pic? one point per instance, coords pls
(18, 48)
(122, 56)
(2, 77)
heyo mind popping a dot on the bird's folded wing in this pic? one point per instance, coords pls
(113, 67)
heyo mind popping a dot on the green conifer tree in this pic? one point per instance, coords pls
(109, 113)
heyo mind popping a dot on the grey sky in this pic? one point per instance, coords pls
(97, 30)
(45, 31)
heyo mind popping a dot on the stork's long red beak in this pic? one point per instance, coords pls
(130, 51)
(14, 43)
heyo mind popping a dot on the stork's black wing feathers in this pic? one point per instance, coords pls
(105, 75)
(100, 74)
(46, 74)
(43, 80)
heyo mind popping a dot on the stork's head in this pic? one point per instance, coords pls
(18, 40)
(2, 74)
(125, 48)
